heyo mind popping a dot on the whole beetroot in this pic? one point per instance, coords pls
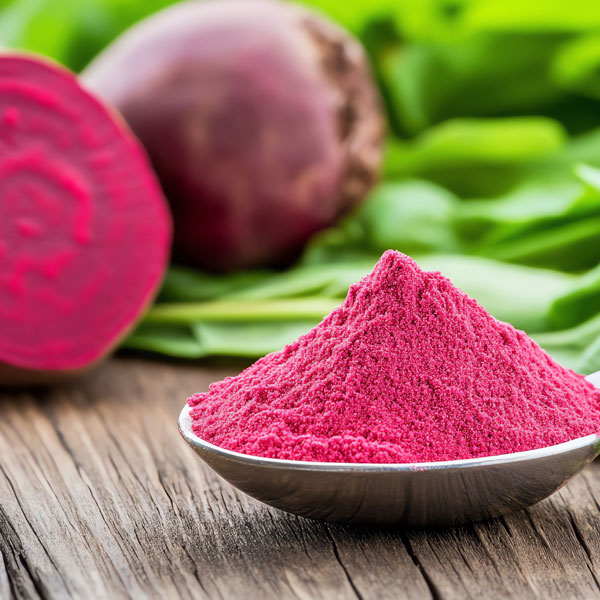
(260, 118)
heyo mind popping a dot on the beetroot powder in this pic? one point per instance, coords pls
(407, 369)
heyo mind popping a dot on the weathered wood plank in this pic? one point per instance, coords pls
(99, 497)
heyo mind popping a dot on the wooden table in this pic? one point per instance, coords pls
(100, 498)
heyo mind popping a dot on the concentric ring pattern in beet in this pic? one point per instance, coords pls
(84, 228)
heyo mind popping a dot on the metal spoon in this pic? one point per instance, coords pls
(409, 495)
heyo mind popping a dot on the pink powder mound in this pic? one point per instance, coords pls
(407, 369)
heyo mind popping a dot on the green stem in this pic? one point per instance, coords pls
(235, 311)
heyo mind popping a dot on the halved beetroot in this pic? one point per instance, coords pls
(84, 228)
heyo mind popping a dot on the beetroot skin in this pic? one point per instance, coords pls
(84, 228)
(261, 120)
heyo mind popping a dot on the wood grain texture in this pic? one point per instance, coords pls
(100, 498)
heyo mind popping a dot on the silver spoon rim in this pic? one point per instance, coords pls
(185, 429)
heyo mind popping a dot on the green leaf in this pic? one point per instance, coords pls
(580, 303)
(334, 246)
(476, 141)
(432, 79)
(589, 361)
(69, 32)
(591, 176)
(327, 280)
(575, 348)
(477, 157)
(492, 220)
(517, 294)
(411, 216)
(171, 340)
(249, 339)
(569, 247)
(353, 15)
(552, 223)
(458, 19)
(575, 338)
(576, 66)
(531, 15)
(190, 285)
(406, 75)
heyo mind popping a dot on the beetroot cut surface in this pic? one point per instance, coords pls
(84, 228)
(407, 369)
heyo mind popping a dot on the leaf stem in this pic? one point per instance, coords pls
(236, 311)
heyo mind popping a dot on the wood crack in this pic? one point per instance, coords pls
(584, 545)
(7, 548)
(540, 534)
(295, 531)
(341, 563)
(195, 570)
(37, 585)
(84, 480)
(6, 588)
(431, 586)
(35, 580)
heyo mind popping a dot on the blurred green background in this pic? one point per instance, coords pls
(492, 171)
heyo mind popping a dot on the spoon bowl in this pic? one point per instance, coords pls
(407, 495)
